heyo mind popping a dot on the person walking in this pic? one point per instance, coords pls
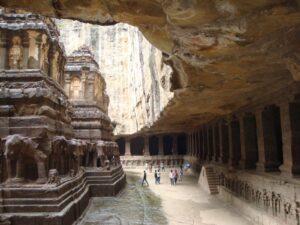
(171, 177)
(180, 175)
(145, 179)
(158, 177)
(155, 177)
(175, 176)
(162, 166)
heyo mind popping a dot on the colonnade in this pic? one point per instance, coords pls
(266, 138)
(147, 145)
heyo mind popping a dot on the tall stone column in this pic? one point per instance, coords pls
(83, 84)
(290, 123)
(260, 165)
(213, 143)
(198, 144)
(160, 145)
(210, 143)
(146, 146)
(201, 144)
(175, 147)
(127, 147)
(208, 156)
(216, 142)
(205, 143)
(194, 143)
(33, 51)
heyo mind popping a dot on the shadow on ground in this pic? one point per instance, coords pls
(135, 205)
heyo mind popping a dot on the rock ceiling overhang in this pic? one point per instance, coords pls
(225, 54)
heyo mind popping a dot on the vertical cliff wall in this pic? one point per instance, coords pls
(138, 82)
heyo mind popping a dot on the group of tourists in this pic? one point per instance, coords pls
(174, 175)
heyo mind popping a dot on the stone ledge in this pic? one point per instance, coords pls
(62, 204)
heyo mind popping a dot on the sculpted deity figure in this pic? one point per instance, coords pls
(15, 54)
(44, 53)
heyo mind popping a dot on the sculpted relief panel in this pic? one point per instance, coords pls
(15, 54)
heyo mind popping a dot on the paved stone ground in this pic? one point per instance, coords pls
(161, 204)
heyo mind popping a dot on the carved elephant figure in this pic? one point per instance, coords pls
(22, 149)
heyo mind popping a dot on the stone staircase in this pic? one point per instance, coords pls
(212, 180)
(208, 180)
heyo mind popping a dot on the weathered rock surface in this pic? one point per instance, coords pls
(225, 53)
(138, 82)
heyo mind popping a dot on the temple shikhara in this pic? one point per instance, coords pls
(150, 112)
(55, 131)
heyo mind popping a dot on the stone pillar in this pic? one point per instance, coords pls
(42, 176)
(8, 168)
(213, 143)
(175, 147)
(260, 165)
(194, 143)
(248, 137)
(160, 145)
(216, 142)
(3, 51)
(198, 144)
(234, 143)
(95, 157)
(210, 143)
(290, 123)
(33, 51)
(83, 81)
(90, 88)
(19, 169)
(146, 146)
(127, 147)
(205, 144)
(87, 159)
(208, 155)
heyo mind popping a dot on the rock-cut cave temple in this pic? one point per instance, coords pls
(218, 95)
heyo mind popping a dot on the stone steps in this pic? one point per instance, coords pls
(213, 180)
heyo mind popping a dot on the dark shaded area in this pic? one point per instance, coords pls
(121, 144)
(153, 145)
(182, 144)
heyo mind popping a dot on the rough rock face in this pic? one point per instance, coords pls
(226, 53)
(138, 82)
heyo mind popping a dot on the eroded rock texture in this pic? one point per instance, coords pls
(138, 80)
(225, 53)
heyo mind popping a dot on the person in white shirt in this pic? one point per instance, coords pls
(171, 177)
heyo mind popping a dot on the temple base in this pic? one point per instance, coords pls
(52, 204)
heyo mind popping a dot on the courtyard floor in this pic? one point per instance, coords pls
(161, 204)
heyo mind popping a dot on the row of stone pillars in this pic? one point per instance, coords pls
(267, 139)
(146, 150)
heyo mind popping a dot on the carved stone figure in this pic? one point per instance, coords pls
(44, 53)
(53, 177)
(15, 55)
